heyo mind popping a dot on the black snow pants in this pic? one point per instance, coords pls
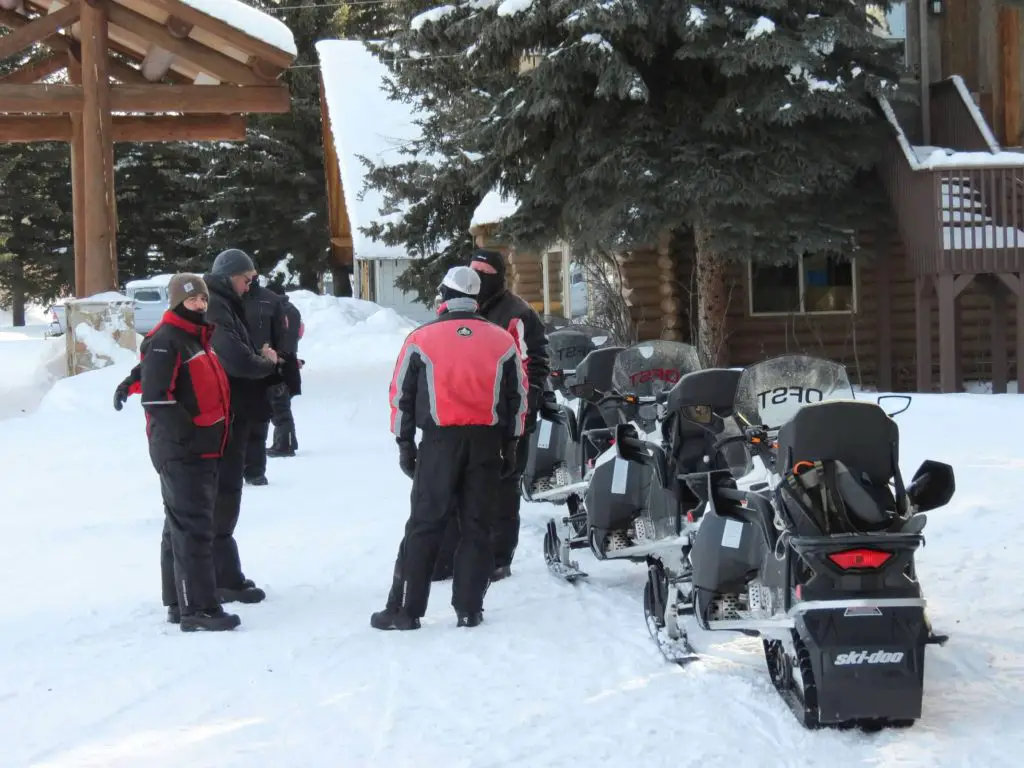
(457, 469)
(284, 422)
(256, 449)
(229, 505)
(187, 570)
(505, 528)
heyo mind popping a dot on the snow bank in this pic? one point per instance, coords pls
(343, 335)
(28, 368)
(251, 21)
(493, 209)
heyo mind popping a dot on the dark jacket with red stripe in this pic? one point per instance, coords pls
(184, 391)
(513, 314)
(458, 370)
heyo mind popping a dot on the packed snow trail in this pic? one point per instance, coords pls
(558, 675)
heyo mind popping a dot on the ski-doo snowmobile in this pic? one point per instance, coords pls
(821, 564)
(617, 491)
(673, 508)
(555, 463)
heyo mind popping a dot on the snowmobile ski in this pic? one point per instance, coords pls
(556, 555)
(675, 650)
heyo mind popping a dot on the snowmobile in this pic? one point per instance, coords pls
(617, 492)
(821, 564)
(673, 509)
(555, 462)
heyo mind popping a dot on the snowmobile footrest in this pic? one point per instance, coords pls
(936, 639)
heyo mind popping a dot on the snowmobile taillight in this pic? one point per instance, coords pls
(689, 516)
(860, 558)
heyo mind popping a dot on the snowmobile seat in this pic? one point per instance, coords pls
(854, 447)
(689, 442)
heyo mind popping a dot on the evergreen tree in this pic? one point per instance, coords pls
(268, 195)
(749, 124)
(434, 189)
(36, 254)
(369, 19)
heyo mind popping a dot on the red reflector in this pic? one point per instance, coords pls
(860, 558)
(689, 516)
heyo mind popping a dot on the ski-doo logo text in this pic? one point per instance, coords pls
(863, 657)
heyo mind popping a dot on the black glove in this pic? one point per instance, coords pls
(508, 458)
(121, 394)
(549, 408)
(407, 458)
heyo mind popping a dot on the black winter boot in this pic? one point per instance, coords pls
(391, 619)
(247, 593)
(260, 480)
(473, 619)
(173, 614)
(215, 620)
(501, 572)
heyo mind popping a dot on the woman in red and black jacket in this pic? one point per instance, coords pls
(187, 400)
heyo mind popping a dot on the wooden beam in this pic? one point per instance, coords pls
(345, 241)
(38, 29)
(223, 67)
(1009, 74)
(200, 99)
(177, 27)
(77, 180)
(152, 98)
(127, 128)
(36, 70)
(44, 99)
(179, 128)
(229, 34)
(98, 152)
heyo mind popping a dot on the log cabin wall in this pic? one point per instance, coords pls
(877, 343)
(526, 278)
(642, 280)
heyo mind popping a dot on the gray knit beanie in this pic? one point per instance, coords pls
(232, 262)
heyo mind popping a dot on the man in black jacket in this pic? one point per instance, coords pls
(265, 318)
(251, 370)
(506, 309)
(285, 442)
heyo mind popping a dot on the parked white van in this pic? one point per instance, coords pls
(151, 300)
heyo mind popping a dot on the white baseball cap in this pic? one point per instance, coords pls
(462, 279)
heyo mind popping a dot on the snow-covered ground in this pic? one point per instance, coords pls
(558, 675)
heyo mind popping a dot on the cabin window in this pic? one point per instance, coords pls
(819, 285)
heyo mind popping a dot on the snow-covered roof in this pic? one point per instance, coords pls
(252, 21)
(363, 121)
(493, 209)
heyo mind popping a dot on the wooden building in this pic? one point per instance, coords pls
(136, 70)
(932, 301)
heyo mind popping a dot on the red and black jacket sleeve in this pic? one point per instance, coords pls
(160, 366)
(514, 389)
(404, 390)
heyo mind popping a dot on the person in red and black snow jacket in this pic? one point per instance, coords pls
(461, 380)
(502, 307)
(187, 401)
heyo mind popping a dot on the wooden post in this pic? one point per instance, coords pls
(1000, 369)
(883, 266)
(97, 153)
(78, 183)
(1009, 74)
(923, 305)
(944, 287)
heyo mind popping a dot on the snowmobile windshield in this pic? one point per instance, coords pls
(599, 337)
(568, 348)
(554, 323)
(650, 368)
(771, 392)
